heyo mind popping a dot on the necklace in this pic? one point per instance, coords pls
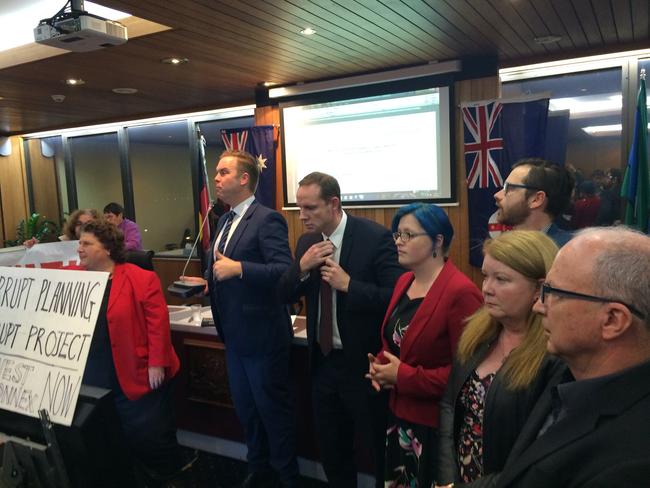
(502, 349)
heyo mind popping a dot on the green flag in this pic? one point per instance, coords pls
(636, 185)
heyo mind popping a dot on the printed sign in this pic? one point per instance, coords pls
(47, 319)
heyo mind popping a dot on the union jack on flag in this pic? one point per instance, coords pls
(234, 141)
(479, 124)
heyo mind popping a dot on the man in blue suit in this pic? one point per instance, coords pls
(250, 252)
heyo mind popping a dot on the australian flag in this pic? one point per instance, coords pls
(496, 135)
(258, 141)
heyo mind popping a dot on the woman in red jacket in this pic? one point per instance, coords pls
(421, 328)
(131, 351)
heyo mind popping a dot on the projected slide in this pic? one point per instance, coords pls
(392, 148)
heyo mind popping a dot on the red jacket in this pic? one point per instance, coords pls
(429, 345)
(138, 327)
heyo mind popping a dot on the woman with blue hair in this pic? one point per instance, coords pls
(423, 323)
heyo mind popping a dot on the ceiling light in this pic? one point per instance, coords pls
(588, 105)
(125, 91)
(569, 66)
(269, 83)
(605, 130)
(308, 31)
(174, 60)
(74, 81)
(547, 39)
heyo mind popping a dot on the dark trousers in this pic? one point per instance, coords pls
(344, 408)
(149, 426)
(259, 385)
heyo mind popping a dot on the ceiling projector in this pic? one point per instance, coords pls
(80, 32)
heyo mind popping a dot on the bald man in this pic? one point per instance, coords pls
(592, 428)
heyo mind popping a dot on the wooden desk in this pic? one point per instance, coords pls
(203, 400)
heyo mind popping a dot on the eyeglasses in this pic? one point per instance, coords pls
(407, 236)
(548, 290)
(511, 186)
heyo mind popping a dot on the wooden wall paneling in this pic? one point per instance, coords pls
(168, 271)
(13, 189)
(233, 45)
(44, 183)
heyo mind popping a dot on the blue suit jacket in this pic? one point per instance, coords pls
(248, 316)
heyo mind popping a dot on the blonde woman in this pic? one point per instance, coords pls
(501, 366)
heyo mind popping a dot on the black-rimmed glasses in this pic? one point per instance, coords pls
(548, 290)
(510, 186)
(407, 236)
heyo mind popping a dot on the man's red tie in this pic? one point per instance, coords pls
(325, 325)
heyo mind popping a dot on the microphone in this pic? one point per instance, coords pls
(184, 288)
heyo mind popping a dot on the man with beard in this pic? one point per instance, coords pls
(534, 195)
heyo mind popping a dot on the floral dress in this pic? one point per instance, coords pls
(470, 438)
(410, 447)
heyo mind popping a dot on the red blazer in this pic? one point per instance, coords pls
(138, 327)
(429, 345)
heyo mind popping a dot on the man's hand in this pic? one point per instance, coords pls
(316, 255)
(156, 376)
(225, 268)
(336, 276)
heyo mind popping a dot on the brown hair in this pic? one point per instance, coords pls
(246, 163)
(73, 220)
(109, 235)
(329, 187)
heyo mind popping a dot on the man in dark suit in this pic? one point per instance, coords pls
(591, 429)
(346, 268)
(249, 254)
(534, 195)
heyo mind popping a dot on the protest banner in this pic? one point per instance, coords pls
(55, 255)
(47, 319)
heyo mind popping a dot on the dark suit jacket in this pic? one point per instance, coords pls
(604, 444)
(249, 318)
(369, 256)
(138, 326)
(505, 414)
(429, 345)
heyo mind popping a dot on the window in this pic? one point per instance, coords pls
(98, 178)
(162, 184)
(584, 132)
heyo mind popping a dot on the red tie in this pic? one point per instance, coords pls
(325, 325)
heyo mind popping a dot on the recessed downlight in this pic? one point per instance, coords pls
(125, 91)
(308, 31)
(174, 60)
(74, 81)
(547, 39)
